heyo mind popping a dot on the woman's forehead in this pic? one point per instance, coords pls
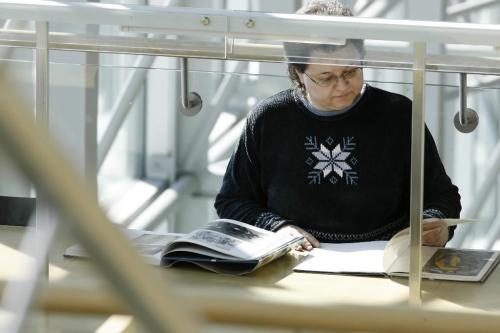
(344, 56)
(328, 68)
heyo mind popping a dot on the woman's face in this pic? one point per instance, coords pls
(331, 87)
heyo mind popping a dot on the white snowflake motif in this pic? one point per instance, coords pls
(329, 160)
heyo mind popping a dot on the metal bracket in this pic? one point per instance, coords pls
(191, 102)
(466, 120)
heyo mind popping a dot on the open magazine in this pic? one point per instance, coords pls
(228, 246)
(223, 246)
(392, 258)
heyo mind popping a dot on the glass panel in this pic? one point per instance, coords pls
(203, 144)
(474, 161)
(86, 96)
(83, 100)
(117, 94)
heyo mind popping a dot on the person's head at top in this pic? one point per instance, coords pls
(311, 67)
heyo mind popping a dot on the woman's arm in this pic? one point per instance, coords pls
(441, 197)
(242, 196)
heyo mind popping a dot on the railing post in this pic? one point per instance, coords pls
(42, 210)
(417, 173)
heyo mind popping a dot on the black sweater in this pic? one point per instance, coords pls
(343, 178)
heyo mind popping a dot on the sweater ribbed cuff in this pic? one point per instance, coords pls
(436, 213)
(270, 221)
(433, 213)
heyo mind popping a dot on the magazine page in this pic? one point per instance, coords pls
(397, 259)
(229, 237)
(460, 264)
(397, 251)
(449, 264)
(439, 263)
(397, 254)
(364, 258)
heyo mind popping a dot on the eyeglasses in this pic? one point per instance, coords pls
(334, 79)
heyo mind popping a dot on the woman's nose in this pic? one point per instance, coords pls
(341, 84)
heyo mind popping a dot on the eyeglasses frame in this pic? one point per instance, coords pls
(337, 78)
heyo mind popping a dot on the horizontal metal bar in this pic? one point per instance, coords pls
(264, 26)
(239, 51)
(170, 18)
(273, 312)
(116, 44)
(468, 6)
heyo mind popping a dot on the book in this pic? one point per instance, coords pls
(222, 246)
(230, 247)
(392, 258)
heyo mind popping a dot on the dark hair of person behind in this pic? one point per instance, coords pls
(296, 53)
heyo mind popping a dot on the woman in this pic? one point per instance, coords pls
(330, 159)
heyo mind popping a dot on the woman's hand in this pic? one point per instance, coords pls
(309, 241)
(434, 232)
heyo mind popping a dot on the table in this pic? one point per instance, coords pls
(269, 291)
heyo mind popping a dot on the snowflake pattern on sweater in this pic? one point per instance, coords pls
(331, 160)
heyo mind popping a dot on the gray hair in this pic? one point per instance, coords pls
(325, 7)
(298, 53)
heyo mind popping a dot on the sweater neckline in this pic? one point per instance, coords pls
(308, 108)
(325, 113)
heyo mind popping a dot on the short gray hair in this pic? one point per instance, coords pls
(325, 7)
